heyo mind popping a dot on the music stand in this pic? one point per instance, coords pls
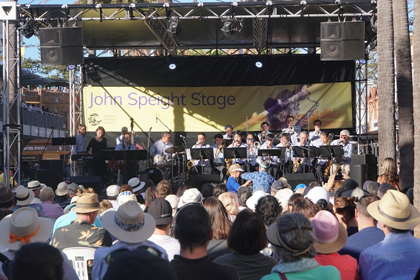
(235, 153)
(271, 152)
(202, 153)
(64, 141)
(228, 142)
(332, 152)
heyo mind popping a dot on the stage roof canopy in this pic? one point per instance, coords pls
(264, 25)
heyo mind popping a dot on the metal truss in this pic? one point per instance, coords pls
(11, 101)
(361, 87)
(260, 28)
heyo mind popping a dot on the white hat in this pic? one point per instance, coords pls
(190, 195)
(251, 202)
(72, 204)
(24, 196)
(283, 196)
(34, 185)
(136, 184)
(23, 223)
(173, 200)
(62, 189)
(317, 193)
(112, 190)
(125, 197)
(129, 223)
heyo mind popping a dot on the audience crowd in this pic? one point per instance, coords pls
(143, 231)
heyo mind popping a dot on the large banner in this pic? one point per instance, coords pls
(210, 109)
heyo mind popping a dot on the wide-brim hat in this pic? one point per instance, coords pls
(235, 167)
(317, 193)
(129, 223)
(34, 185)
(136, 184)
(24, 222)
(395, 210)
(62, 189)
(87, 203)
(283, 196)
(330, 234)
(23, 196)
(251, 202)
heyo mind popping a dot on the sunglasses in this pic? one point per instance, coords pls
(251, 139)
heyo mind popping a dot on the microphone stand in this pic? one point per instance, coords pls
(158, 119)
(186, 147)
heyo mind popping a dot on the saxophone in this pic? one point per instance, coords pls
(297, 164)
(329, 161)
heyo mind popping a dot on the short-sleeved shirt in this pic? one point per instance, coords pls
(261, 180)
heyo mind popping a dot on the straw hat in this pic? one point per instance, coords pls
(235, 167)
(330, 234)
(395, 210)
(87, 203)
(16, 229)
(136, 184)
(129, 223)
(24, 196)
(62, 189)
(34, 185)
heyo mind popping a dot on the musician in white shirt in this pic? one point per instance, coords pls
(237, 143)
(204, 165)
(228, 130)
(304, 162)
(292, 130)
(344, 162)
(273, 169)
(286, 162)
(219, 159)
(252, 153)
(314, 136)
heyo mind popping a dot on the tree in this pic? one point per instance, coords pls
(416, 108)
(48, 71)
(404, 93)
(386, 84)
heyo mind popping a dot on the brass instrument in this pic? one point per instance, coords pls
(257, 144)
(228, 165)
(190, 164)
(297, 164)
(329, 161)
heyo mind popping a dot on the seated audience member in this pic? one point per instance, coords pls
(396, 257)
(112, 192)
(231, 204)
(194, 232)
(220, 225)
(142, 264)
(105, 205)
(173, 200)
(282, 197)
(23, 197)
(275, 187)
(330, 236)
(6, 201)
(296, 197)
(131, 227)
(244, 193)
(81, 232)
(219, 189)
(161, 211)
(252, 202)
(369, 234)
(344, 209)
(51, 209)
(24, 227)
(72, 192)
(39, 260)
(269, 209)
(246, 239)
(390, 174)
(304, 206)
(149, 196)
(292, 239)
(163, 189)
(207, 190)
(36, 187)
(61, 192)
(371, 187)
(383, 188)
(139, 188)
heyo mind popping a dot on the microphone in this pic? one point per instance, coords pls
(150, 129)
(182, 136)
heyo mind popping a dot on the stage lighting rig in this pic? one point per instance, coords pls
(173, 25)
(231, 25)
(28, 29)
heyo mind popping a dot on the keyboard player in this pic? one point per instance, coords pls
(82, 141)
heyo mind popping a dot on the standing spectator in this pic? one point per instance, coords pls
(261, 180)
(82, 141)
(194, 232)
(51, 209)
(390, 174)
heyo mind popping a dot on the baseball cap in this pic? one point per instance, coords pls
(161, 210)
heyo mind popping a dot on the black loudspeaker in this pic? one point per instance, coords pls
(89, 182)
(342, 40)
(372, 165)
(299, 178)
(61, 46)
(50, 172)
(359, 173)
(197, 181)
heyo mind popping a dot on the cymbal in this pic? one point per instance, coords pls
(176, 149)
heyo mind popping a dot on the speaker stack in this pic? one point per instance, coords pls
(363, 168)
(61, 45)
(342, 40)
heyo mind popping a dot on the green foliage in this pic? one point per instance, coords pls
(48, 71)
(373, 66)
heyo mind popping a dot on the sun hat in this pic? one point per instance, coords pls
(129, 223)
(62, 189)
(190, 195)
(285, 183)
(23, 196)
(22, 227)
(34, 185)
(395, 210)
(173, 200)
(6, 194)
(330, 234)
(161, 210)
(283, 196)
(235, 167)
(264, 164)
(87, 203)
(136, 184)
(317, 193)
(71, 205)
(251, 202)
(300, 186)
(112, 190)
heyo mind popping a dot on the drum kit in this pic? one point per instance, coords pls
(167, 168)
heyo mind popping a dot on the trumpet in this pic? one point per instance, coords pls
(190, 164)
(257, 144)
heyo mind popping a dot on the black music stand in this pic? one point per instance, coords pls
(202, 153)
(271, 152)
(227, 142)
(331, 151)
(235, 153)
(64, 141)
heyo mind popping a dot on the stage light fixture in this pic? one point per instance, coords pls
(172, 66)
(231, 25)
(258, 64)
(173, 26)
(27, 29)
